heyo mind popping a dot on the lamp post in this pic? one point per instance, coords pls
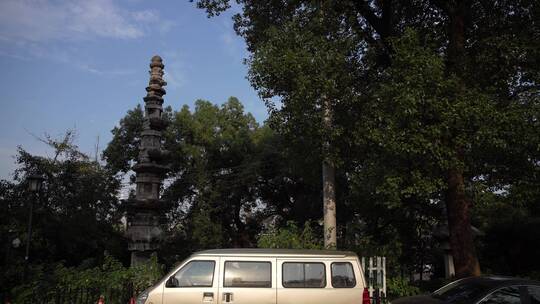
(35, 182)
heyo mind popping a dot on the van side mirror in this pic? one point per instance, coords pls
(172, 282)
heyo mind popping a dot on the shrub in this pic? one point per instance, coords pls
(111, 278)
(400, 287)
(291, 237)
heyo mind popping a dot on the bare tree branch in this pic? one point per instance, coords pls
(364, 8)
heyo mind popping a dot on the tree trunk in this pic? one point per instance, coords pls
(459, 224)
(238, 235)
(329, 201)
(457, 203)
(329, 185)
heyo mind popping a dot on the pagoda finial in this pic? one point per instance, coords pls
(155, 85)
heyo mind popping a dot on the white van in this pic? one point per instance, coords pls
(262, 276)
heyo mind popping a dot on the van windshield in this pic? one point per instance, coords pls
(172, 271)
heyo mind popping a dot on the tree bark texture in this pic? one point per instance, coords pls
(329, 185)
(457, 203)
(329, 201)
(459, 224)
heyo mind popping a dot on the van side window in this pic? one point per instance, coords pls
(303, 275)
(196, 274)
(248, 274)
(343, 275)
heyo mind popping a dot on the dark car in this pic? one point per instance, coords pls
(481, 290)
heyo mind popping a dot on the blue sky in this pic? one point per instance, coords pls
(82, 64)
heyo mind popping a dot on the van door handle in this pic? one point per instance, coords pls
(227, 297)
(208, 296)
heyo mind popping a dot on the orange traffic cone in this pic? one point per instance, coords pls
(101, 300)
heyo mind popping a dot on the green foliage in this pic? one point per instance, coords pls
(205, 232)
(400, 287)
(225, 167)
(109, 278)
(126, 140)
(413, 99)
(290, 236)
(215, 172)
(79, 197)
(405, 110)
(509, 243)
(145, 275)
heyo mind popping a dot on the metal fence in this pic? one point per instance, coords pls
(375, 275)
(77, 296)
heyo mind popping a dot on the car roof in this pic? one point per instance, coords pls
(480, 286)
(495, 281)
(260, 252)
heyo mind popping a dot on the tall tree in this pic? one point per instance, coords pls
(228, 174)
(295, 59)
(300, 48)
(458, 204)
(79, 198)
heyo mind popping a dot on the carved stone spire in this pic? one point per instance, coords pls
(145, 210)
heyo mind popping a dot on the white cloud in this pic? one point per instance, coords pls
(145, 16)
(164, 26)
(175, 69)
(46, 20)
(60, 54)
(74, 62)
(232, 44)
(56, 30)
(101, 18)
(227, 38)
(174, 78)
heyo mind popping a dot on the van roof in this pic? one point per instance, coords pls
(276, 252)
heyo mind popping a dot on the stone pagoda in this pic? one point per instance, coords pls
(144, 212)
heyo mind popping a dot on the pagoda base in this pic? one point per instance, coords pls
(140, 257)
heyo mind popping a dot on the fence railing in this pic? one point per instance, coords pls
(76, 296)
(375, 275)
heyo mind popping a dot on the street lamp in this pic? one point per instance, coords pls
(35, 182)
